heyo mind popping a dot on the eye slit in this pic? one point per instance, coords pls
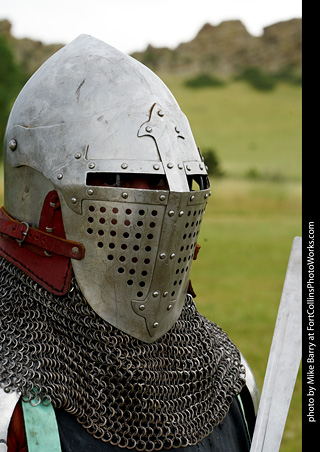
(102, 179)
(198, 182)
(128, 180)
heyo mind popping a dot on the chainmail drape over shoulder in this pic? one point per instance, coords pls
(170, 393)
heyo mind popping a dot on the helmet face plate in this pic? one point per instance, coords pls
(123, 166)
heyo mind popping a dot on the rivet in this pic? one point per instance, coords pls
(155, 294)
(73, 200)
(172, 256)
(156, 166)
(188, 167)
(59, 176)
(77, 155)
(50, 230)
(148, 129)
(165, 294)
(90, 191)
(162, 197)
(13, 145)
(180, 166)
(170, 165)
(171, 213)
(124, 166)
(201, 166)
(125, 195)
(209, 193)
(160, 113)
(206, 196)
(91, 165)
(169, 307)
(142, 307)
(155, 325)
(181, 213)
(75, 250)
(192, 198)
(177, 129)
(162, 255)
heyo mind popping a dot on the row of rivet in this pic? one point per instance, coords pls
(125, 195)
(91, 165)
(156, 166)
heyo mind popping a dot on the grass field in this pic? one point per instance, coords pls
(245, 240)
(248, 129)
(249, 225)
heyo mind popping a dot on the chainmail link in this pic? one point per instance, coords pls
(170, 393)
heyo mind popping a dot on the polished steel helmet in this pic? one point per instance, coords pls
(107, 135)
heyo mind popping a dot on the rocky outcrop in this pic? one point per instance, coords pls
(228, 48)
(224, 50)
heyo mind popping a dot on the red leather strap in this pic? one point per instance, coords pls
(23, 233)
(43, 256)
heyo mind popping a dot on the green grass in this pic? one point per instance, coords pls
(248, 129)
(249, 225)
(245, 240)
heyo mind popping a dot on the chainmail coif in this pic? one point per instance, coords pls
(170, 393)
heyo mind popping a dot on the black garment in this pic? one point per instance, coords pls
(229, 436)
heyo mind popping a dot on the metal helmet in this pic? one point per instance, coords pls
(107, 135)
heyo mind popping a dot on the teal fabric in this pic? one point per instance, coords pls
(41, 428)
(244, 415)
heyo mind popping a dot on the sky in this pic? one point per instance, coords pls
(130, 25)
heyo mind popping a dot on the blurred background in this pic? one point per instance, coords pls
(235, 69)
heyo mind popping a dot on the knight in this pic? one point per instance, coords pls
(102, 346)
